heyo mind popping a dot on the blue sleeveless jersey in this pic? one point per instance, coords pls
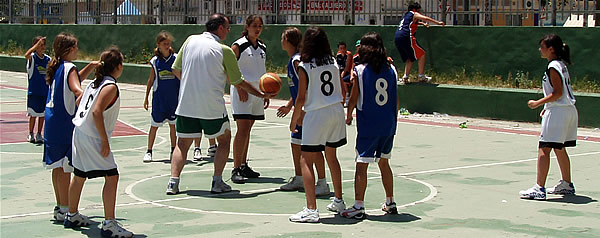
(166, 85)
(376, 107)
(293, 77)
(36, 73)
(408, 25)
(60, 108)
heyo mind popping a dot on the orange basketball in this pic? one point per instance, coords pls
(270, 83)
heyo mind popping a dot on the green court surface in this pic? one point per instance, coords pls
(449, 182)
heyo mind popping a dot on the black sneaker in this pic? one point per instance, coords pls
(236, 176)
(247, 172)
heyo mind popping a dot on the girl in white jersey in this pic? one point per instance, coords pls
(95, 121)
(320, 96)
(251, 55)
(559, 119)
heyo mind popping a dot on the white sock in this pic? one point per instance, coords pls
(338, 200)
(320, 181)
(389, 200)
(405, 76)
(359, 204)
(174, 179)
(63, 209)
(217, 178)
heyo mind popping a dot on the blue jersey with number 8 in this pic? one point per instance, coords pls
(376, 106)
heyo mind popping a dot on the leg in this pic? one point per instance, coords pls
(308, 177)
(179, 156)
(197, 142)
(564, 163)
(335, 170)
(172, 135)
(360, 181)
(543, 165)
(320, 166)
(222, 153)
(109, 196)
(31, 124)
(211, 141)
(241, 140)
(40, 125)
(422, 65)
(247, 145)
(387, 178)
(151, 137)
(408, 67)
(60, 182)
(296, 154)
(75, 193)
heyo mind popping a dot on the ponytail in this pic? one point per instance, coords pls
(566, 54)
(62, 45)
(561, 49)
(110, 60)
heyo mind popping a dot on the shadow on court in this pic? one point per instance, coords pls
(208, 160)
(93, 230)
(573, 199)
(229, 195)
(402, 217)
(261, 179)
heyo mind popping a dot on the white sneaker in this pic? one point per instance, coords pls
(353, 212)
(76, 220)
(38, 138)
(389, 208)
(197, 153)
(536, 192)
(148, 157)
(112, 228)
(322, 189)
(58, 215)
(403, 80)
(306, 215)
(424, 78)
(212, 150)
(295, 184)
(30, 138)
(172, 187)
(563, 188)
(220, 187)
(336, 205)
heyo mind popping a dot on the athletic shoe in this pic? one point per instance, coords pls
(389, 208)
(197, 154)
(536, 192)
(562, 188)
(404, 80)
(322, 189)
(353, 212)
(306, 215)
(294, 184)
(76, 220)
(336, 206)
(147, 157)
(236, 176)
(220, 187)
(212, 150)
(172, 187)
(38, 138)
(112, 228)
(30, 138)
(424, 78)
(58, 215)
(247, 172)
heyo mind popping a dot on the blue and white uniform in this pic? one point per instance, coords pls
(87, 143)
(251, 61)
(37, 89)
(324, 123)
(293, 83)
(560, 119)
(165, 91)
(376, 113)
(58, 129)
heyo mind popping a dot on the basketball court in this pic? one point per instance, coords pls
(449, 182)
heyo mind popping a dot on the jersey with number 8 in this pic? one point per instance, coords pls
(324, 86)
(376, 106)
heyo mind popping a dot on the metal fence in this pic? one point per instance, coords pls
(343, 12)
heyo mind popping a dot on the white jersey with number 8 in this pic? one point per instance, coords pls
(324, 86)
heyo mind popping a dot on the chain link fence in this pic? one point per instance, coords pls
(341, 12)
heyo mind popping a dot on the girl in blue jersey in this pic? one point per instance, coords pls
(290, 42)
(376, 101)
(37, 89)
(559, 119)
(407, 44)
(65, 89)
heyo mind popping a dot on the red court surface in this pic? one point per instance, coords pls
(14, 127)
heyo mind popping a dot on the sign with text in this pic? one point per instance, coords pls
(320, 5)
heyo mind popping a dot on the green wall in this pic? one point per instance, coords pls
(491, 50)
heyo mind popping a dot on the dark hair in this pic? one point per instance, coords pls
(36, 39)
(561, 49)
(316, 45)
(162, 36)
(292, 35)
(62, 45)
(215, 21)
(414, 6)
(249, 21)
(342, 43)
(111, 59)
(372, 51)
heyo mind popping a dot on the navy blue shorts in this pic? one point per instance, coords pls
(370, 149)
(36, 105)
(55, 152)
(159, 117)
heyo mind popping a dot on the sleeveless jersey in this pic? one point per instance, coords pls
(36, 73)
(60, 107)
(251, 60)
(408, 25)
(84, 120)
(165, 89)
(567, 98)
(376, 107)
(324, 87)
(293, 77)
